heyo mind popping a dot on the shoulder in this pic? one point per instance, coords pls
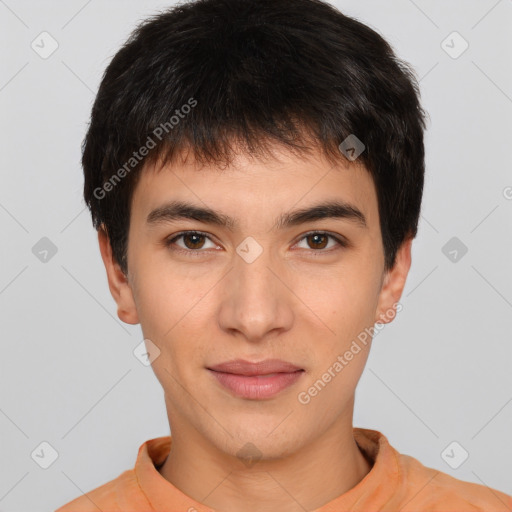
(434, 490)
(121, 494)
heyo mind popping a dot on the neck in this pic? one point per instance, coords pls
(305, 480)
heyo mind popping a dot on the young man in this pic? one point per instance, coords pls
(255, 172)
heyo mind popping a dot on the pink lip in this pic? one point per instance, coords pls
(256, 381)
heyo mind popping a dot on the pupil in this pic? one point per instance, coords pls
(197, 238)
(316, 237)
(193, 245)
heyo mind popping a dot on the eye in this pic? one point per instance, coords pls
(192, 241)
(319, 240)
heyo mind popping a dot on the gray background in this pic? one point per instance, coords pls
(439, 373)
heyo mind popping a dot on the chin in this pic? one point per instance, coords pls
(257, 441)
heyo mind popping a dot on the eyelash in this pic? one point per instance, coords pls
(170, 241)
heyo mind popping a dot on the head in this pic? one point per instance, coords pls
(224, 118)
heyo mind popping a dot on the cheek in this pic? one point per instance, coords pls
(173, 312)
(346, 302)
(331, 389)
(162, 297)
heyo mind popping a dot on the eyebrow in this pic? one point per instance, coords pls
(177, 210)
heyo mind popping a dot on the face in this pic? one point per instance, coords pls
(265, 260)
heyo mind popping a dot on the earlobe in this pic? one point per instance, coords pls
(118, 283)
(393, 284)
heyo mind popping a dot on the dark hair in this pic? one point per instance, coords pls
(207, 73)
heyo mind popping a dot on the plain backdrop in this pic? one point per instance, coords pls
(68, 377)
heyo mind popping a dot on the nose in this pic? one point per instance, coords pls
(257, 301)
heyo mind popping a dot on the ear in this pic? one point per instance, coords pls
(393, 284)
(117, 282)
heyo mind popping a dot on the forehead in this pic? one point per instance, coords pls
(256, 186)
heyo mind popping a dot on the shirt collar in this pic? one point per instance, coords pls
(369, 493)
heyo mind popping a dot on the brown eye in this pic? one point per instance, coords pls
(317, 241)
(320, 242)
(193, 240)
(190, 241)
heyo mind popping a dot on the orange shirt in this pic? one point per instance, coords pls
(395, 483)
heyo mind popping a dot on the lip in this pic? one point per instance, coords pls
(248, 368)
(256, 380)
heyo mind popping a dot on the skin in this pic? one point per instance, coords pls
(302, 300)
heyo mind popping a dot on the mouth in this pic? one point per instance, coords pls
(256, 381)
